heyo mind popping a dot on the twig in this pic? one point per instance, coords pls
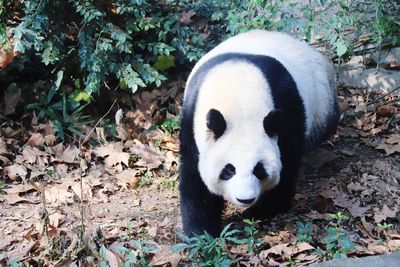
(97, 123)
(82, 164)
(385, 95)
(44, 214)
(81, 208)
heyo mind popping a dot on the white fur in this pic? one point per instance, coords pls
(312, 72)
(241, 93)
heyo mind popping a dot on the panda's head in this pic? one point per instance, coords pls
(239, 164)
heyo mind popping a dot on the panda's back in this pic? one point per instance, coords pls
(312, 73)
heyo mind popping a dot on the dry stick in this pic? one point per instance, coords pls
(385, 95)
(82, 163)
(97, 123)
(44, 216)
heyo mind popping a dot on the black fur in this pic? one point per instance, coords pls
(216, 123)
(272, 122)
(260, 172)
(227, 172)
(201, 210)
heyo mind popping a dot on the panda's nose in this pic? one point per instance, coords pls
(246, 201)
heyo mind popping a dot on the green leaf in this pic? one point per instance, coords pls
(80, 95)
(55, 86)
(164, 62)
(341, 47)
(347, 244)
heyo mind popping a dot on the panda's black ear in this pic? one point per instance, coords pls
(273, 122)
(216, 123)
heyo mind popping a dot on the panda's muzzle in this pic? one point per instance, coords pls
(246, 201)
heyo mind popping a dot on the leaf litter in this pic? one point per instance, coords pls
(128, 190)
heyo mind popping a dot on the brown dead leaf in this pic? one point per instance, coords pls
(352, 205)
(123, 133)
(164, 255)
(280, 249)
(50, 139)
(355, 187)
(150, 156)
(32, 155)
(56, 219)
(389, 148)
(16, 171)
(58, 193)
(306, 259)
(3, 147)
(68, 155)
(186, 17)
(392, 65)
(14, 198)
(393, 139)
(319, 157)
(112, 259)
(303, 246)
(21, 250)
(86, 189)
(384, 213)
(394, 245)
(378, 249)
(127, 179)
(113, 154)
(36, 139)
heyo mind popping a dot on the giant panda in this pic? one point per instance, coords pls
(252, 106)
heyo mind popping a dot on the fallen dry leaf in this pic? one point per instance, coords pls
(164, 255)
(303, 246)
(58, 193)
(113, 154)
(352, 205)
(16, 171)
(384, 213)
(279, 249)
(21, 250)
(56, 219)
(33, 155)
(393, 139)
(127, 179)
(150, 156)
(68, 155)
(36, 139)
(14, 197)
(389, 149)
(319, 157)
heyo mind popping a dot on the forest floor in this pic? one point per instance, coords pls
(115, 200)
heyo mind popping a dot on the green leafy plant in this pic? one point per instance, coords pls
(145, 179)
(65, 115)
(383, 228)
(171, 125)
(170, 184)
(337, 242)
(205, 250)
(140, 254)
(3, 186)
(251, 231)
(304, 232)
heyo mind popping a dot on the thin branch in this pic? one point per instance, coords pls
(382, 97)
(97, 123)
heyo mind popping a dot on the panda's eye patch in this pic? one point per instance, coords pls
(227, 172)
(260, 172)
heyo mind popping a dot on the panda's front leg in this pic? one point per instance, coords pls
(201, 210)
